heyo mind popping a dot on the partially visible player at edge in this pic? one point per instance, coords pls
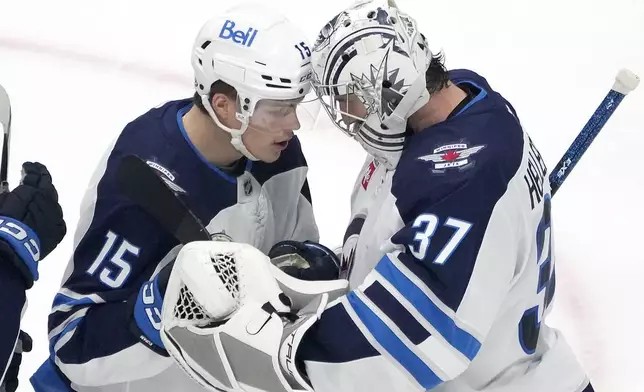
(31, 226)
(449, 253)
(231, 156)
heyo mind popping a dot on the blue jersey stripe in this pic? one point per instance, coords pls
(482, 94)
(445, 325)
(392, 343)
(396, 312)
(62, 299)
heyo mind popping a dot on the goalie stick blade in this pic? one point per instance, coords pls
(5, 121)
(143, 185)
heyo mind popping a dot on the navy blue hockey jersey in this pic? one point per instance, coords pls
(118, 246)
(450, 266)
(12, 306)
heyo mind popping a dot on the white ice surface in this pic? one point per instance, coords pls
(78, 71)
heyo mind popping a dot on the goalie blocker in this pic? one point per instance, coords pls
(233, 321)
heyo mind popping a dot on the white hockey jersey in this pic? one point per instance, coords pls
(451, 267)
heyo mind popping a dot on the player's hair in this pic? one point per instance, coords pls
(219, 87)
(436, 76)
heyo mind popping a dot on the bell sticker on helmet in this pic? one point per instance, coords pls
(238, 36)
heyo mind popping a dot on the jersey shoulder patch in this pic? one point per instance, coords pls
(443, 158)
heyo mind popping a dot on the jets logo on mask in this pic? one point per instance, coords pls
(383, 89)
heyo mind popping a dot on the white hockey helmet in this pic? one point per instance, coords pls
(369, 65)
(260, 53)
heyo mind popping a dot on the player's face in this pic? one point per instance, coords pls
(271, 127)
(352, 111)
(351, 105)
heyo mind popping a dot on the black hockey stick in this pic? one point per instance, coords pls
(5, 122)
(142, 184)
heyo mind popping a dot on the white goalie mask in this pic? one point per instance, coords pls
(369, 66)
(265, 57)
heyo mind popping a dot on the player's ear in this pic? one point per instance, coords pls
(223, 106)
(219, 105)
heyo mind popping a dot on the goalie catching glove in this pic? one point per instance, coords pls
(233, 321)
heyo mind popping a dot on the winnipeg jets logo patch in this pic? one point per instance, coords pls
(456, 155)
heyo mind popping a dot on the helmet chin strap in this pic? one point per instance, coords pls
(236, 134)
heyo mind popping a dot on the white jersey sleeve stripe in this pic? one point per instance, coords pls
(77, 315)
(64, 302)
(392, 343)
(460, 339)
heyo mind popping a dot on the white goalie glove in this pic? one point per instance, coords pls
(229, 317)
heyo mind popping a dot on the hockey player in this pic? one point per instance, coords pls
(31, 226)
(230, 154)
(449, 253)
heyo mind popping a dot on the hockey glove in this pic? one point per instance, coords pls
(10, 381)
(31, 221)
(146, 308)
(305, 260)
(229, 317)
